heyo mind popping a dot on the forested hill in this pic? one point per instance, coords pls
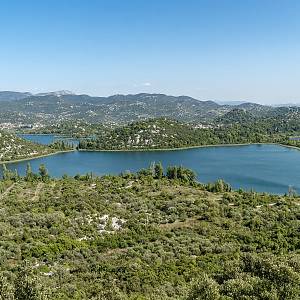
(164, 133)
(159, 133)
(152, 235)
(235, 116)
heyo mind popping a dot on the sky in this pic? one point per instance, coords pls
(224, 50)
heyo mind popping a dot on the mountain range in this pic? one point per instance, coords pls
(54, 107)
(10, 96)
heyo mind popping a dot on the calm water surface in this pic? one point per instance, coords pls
(47, 139)
(265, 168)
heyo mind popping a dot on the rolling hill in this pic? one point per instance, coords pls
(165, 133)
(158, 133)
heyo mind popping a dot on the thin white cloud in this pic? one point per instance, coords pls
(144, 84)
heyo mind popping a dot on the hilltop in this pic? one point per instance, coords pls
(146, 236)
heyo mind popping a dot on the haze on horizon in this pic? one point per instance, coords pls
(208, 49)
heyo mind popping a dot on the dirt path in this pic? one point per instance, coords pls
(7, 191)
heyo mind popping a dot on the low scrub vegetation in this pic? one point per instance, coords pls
(156, 234)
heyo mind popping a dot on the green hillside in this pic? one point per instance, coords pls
(146, 236)
(165, 133)
(12, 148)
(159, 133)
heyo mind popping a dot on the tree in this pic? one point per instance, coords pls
(221, 186)
(152, 168)
(159, 171)
(172, 172)
(15, 175)
(181, 173)
(187, 174)
(8, 174)
(29, 174)
(43, 172)
(291, 191)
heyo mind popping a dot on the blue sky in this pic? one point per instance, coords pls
(211, 50)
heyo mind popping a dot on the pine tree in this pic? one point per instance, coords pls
(29, 174)
(159, 171)
(172, 172)
(152, 169)
(15, 175)
(43, 172)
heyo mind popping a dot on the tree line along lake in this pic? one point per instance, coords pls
(263, 168)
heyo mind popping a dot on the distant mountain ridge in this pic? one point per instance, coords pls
(11, 96)
(60, 106)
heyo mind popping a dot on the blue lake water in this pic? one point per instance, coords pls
(265, 168)
(47, 139)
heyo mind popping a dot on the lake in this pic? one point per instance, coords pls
(265, 168)
(47, 139)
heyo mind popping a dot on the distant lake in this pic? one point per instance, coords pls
(265, 168)
(47, 139)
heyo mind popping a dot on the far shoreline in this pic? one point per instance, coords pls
(165, 149)
(184, 148)
(144, 150)
(34, 157)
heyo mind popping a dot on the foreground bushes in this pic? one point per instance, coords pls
(150, 235)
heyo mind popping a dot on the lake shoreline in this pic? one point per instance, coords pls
(162, 149)
(144, 150)
(288, 146)
(34, 157)
(183, 148)
(263, 167)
